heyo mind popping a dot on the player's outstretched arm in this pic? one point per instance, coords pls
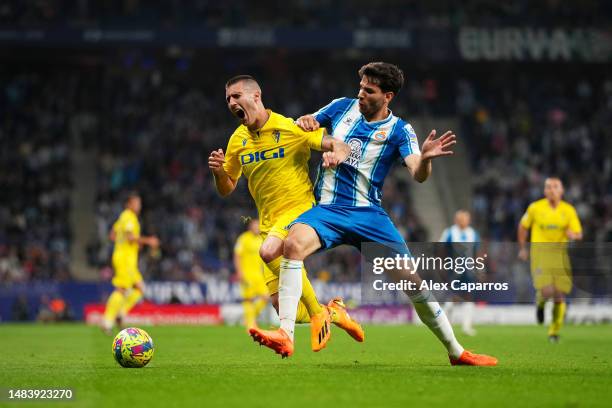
(335, 151)
(419, 165)
(223, 182)
(151, 241)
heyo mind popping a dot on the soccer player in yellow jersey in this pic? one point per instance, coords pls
(272, 152)
(127, 280)
(553, 222)
(250, 270)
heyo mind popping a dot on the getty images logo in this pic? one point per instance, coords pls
(276, 153)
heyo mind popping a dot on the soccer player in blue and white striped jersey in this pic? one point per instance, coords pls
(349, 197)
(462, 241)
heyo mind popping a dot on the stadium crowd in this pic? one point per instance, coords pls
(311, 14)
(35, 176)
(158, 117)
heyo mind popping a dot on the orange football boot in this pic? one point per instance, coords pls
(277, 340)
(320, 332)
(341, 318)
(472, 359)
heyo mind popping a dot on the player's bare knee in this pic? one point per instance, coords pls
(266, 254)
(559, 297)
(547, 292)
(271, 249)
(301, 242)
(294, 247)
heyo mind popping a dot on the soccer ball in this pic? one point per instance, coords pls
(133, 348)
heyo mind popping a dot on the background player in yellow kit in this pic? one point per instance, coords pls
(127, 280)
(250, 270)
(553, 222)
(273, 152)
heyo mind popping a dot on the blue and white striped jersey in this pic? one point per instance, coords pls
(375, 147)
(461, 242)
(456, 234)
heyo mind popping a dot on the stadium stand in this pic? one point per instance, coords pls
(158, 113)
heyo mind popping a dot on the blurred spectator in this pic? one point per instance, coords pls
(53, 310)
(21, 309)
(44, 310)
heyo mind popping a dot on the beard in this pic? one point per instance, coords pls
(369, 109)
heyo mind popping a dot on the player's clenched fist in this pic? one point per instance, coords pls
(307, 123)
(224, 184)
(216, 160)
(330, 160)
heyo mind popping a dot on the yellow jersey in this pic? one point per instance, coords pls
(126, 223)
(274, 160)
(247, 249)
(550, 224)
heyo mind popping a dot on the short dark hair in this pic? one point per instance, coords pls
(388, 77)
(554, 177)
(129, 196)
(239, 78)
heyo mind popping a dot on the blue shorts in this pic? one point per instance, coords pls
(337, 225)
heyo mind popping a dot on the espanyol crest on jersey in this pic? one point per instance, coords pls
(355, 156)
(375, 147)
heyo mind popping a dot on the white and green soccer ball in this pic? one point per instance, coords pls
(133, 348)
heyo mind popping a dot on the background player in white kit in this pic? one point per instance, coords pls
(468, 243)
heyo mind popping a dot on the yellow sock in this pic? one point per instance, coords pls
(130, 301)
(259, 304)
(309, 297)
(249, 313)
(309, 303)
(274, 266)
(113, 306)
(302, 315)
(558, 316)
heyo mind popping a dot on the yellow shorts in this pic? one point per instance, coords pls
(551, 268)
(280, 229)
(252, 284)
(251, 289)
(127, 274)
(543, 277)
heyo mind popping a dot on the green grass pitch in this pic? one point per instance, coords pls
(401, 366)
